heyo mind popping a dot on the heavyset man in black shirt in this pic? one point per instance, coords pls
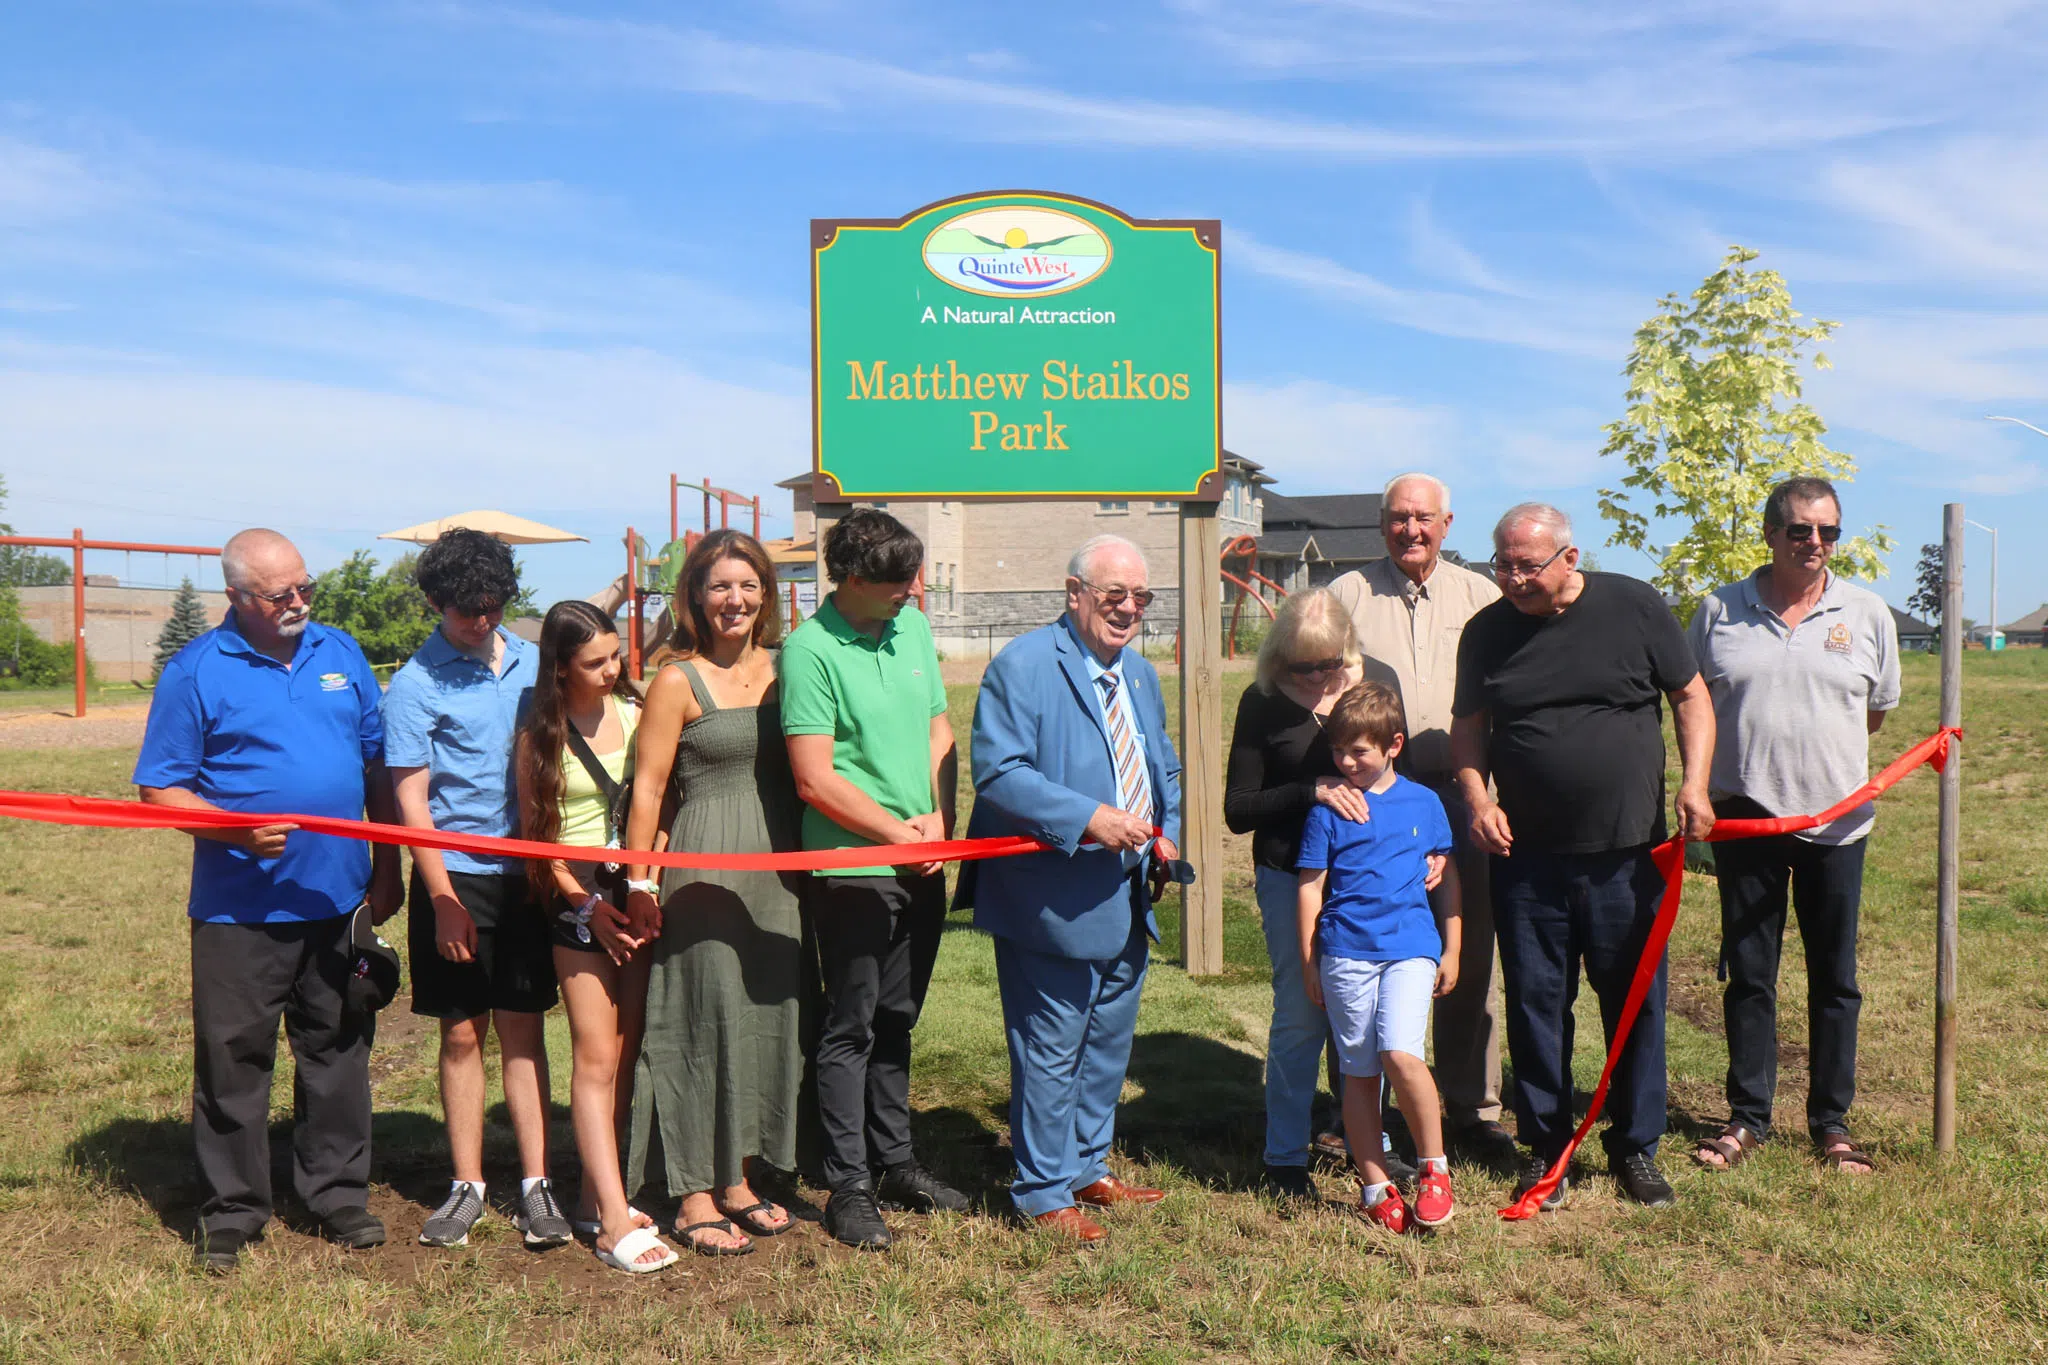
(1558, 701)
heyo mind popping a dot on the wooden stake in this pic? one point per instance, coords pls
(1201, 730)
(1945, 930)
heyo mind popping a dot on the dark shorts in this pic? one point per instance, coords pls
(515, 964)
(564, 929)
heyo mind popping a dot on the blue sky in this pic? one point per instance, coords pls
(342, 267)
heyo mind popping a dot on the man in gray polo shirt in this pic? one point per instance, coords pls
(1802, 668)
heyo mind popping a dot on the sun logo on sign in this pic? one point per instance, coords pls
(1016, 249)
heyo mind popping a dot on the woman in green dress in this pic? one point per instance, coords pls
(721, 1061)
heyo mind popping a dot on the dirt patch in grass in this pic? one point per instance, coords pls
(103, 727)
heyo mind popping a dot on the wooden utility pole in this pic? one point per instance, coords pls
(1201, 739)
(1945, 932)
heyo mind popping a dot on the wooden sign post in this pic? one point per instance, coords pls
(1201, 731)
(1947, 867)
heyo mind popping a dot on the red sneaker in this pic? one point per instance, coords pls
(1433, 1198)
(1390, 1213)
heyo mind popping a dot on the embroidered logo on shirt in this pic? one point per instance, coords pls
(334, 682)
(1838, 639)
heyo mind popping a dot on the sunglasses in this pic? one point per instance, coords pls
(303, 591)
(1117, 597)
(1308, 667)
(1806, 530)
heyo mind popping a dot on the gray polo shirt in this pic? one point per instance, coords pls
(1792, 703)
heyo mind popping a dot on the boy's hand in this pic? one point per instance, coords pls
(1437, 862)
(1312, 982)
(1446, 976)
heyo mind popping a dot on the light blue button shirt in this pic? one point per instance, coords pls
(1096, 670)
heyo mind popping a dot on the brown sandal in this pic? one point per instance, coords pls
(1733, 1146)
(1834, 1158)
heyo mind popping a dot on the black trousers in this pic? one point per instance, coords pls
(245, 977)
(1826, 886)
(877, 940)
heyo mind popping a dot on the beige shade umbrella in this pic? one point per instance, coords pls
(506, 527)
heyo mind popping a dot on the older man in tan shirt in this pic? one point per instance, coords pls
(1410, 610)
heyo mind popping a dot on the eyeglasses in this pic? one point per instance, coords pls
(1308, 667)
(303, 591)
(487, 609)
(1806, 530)
(1117, 597)
(1502, 569)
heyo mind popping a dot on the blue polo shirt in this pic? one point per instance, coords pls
(1375, 908)
(447, 712)
(249, 733)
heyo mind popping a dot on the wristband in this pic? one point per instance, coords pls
(652, 888)
(589, 904)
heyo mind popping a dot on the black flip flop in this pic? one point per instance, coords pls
(705, 1248)
(746, 1215)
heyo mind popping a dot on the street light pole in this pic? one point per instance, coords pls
(1993, 636)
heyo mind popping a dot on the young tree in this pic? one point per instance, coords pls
(385, 612)
(188, 622)
(1926, 599)
(24, 567)
(1706, 435)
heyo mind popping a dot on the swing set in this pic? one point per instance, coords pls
(78, 545)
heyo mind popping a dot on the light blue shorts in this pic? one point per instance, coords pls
(1377, 1007)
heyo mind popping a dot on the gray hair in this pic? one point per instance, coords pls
(244, 546)
(1541, 514)
(1077, 566)
(1443, 490)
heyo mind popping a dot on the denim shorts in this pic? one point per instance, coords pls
(1377, 1007)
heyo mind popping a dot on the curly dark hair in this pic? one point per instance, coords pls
(872, 546)
(468, 570)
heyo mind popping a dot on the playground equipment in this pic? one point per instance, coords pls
(78, 545)
(1247, 549)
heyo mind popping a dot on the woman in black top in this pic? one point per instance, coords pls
(1280, 767)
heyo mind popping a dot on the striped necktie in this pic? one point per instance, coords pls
(1133, 788)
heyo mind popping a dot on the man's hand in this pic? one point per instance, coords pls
(454, 930)
(265, 841)
(1115, 828)
(1343, 798)
(921, 829)
(1490, 828)
(1446, 976)
(1695, 813)
(1312, 982)
(387, 889)
(1436, 862)
(1163, 852)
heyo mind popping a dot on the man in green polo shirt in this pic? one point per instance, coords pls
(864, 710)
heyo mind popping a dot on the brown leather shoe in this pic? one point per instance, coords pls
(1071, 1222)
(1109, 1190)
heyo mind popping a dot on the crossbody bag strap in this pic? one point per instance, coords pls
(609, 786)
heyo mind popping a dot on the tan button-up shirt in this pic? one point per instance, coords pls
(1414, 628)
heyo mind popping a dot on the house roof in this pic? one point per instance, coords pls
(1250, 470)
(1329, 545)
(1349, 511)
(1908, 625)
(2033, 621)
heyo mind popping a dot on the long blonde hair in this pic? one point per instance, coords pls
(1311, 625)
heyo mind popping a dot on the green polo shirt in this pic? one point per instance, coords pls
(876, 698)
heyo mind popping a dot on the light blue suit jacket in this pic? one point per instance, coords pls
(1041, 767)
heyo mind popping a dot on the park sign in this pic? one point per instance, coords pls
(1016, 344)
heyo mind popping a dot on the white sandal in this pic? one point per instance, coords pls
(635, 1244)
(591, 1227)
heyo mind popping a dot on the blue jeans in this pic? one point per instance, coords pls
(1555, 911)
(1294, 1043)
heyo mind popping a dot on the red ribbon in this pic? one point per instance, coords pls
(56, 809)
(1670, 860)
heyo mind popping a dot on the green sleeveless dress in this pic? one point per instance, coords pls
(721, 1062)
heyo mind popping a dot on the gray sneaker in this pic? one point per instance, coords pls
(450, 1224)
(540, 1217)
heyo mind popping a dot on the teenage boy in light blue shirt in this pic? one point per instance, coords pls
(479, 942)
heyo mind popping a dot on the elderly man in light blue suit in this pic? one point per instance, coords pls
(1070, 747)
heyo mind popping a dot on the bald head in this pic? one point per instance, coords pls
(258, 556)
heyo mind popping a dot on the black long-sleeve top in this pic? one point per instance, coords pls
(1277, 751)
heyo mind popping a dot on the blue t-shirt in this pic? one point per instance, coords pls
(249, 733)
(449, 713)
(1374, 906)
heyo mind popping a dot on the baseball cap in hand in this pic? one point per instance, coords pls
(372, 967)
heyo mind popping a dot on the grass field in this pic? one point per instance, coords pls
(1932, 1260)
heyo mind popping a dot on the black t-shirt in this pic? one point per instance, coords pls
(1574, 704)
(1277, 752)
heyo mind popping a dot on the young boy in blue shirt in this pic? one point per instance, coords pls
(1371, 950)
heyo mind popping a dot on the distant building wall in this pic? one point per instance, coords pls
(121, 624)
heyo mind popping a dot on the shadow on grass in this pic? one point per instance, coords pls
(1203, 1108)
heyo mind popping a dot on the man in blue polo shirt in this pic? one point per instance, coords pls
(271, 712)
(479, 943)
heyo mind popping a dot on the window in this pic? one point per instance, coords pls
(1165, 506)
(1115, 508)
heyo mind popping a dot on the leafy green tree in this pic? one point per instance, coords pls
(188, 622)
(1714, 420)
(385, 612)
(1926, 599)
(21, 566)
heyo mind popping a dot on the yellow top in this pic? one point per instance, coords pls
(582, 803)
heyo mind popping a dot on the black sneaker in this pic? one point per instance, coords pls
(540, 1217)
(852, 1216)
(1640, 1180)
(218, 1252)
(1489, 1145)
(1291, 1182)
(449, 1225)
(1534, 1168)
(355, 1228)
(912, 1187)
(1400, 1170)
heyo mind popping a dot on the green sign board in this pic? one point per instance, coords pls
(1016, 344)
